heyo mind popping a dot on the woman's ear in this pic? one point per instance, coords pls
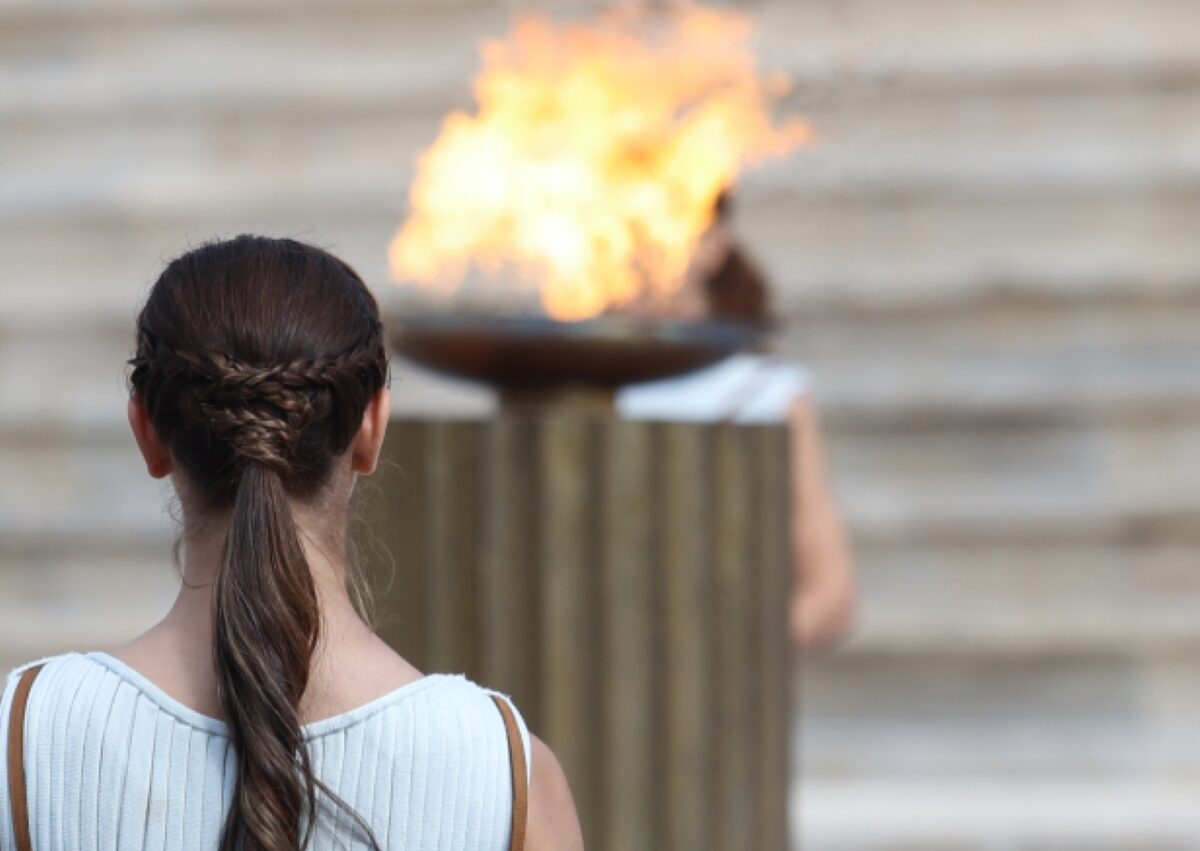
(158, 460)
(369, 440)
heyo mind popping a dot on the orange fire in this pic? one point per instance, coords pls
(594, 160)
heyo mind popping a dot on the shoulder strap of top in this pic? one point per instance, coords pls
(16, 759)
(516, 750)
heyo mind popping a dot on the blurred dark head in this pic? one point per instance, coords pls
(736, 289)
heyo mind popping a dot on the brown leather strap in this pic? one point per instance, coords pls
(516, 751)
(16, 759)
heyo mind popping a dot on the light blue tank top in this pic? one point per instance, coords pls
(114, 762)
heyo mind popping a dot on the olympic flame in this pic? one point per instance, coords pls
(592, 163)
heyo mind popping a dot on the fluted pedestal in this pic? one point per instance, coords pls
(626, 583)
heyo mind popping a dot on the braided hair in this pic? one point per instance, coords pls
(256, 359)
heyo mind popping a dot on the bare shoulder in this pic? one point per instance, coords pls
(801, 410)
(553, 822)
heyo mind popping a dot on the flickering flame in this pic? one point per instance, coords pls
(593, 162)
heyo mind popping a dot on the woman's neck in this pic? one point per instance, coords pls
(202, 559)
(176, 653)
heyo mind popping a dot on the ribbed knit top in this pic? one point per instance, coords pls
(114, 762)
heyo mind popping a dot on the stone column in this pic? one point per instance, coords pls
(627, 583)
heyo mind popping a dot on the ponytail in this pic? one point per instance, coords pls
(267, 622)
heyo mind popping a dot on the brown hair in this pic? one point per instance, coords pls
(736, 289)
(256, 358)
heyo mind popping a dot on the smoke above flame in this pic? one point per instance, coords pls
(592, 164)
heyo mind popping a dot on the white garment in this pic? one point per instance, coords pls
(114, 762)
(743, 388)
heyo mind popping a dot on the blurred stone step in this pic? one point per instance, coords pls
(1087, 324)
(922, 247)
(884, 252)
(1007, 598)
(32, 13)
(998, 360)
(87, 600)
(144, 66)
(978, 370)
(184, 163)
(1061, 814)
(1062, 391)
(992, 143)
(1020, 749)
(947, 42)
(1117, 139)
(98, 498)
(99, 276)
(1082, 475)
(1055, 484)
(388, 60)
(931, 390)
(97, 269)
(86, 368)
(885, 714)
(150, 62)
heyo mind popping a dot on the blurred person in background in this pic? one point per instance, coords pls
(760, 388)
